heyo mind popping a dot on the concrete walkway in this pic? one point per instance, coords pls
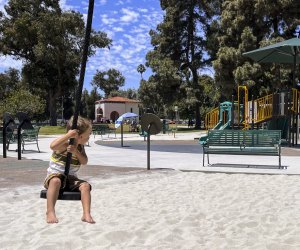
(181, 152)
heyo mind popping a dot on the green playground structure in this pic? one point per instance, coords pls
(277, 111)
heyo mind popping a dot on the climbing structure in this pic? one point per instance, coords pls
(273, 111)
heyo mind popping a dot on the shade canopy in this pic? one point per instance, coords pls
(287, 51)
(127, 115)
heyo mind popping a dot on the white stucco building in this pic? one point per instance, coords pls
(112, 108)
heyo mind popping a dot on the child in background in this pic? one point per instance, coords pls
(55, 172)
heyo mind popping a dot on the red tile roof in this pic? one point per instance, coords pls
(118, 99)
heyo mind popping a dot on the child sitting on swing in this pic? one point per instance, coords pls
(56, 180)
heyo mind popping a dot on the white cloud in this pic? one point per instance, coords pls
(117, 48)
(118, 29)
(143, 10)
(110, 33)
(84, 18)
(136, 30)
(121, 41)
(120, 2)
(103, 2)
(107, 20)
(2, 3)
(129, 15)
(126, 55)
(63, 4)
(137, 39)
(7, 62)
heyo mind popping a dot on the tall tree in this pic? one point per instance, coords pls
(150, 97)
(141, 69)
(93, 97)
(179, 49)
(108, 81)
(247, 25)
(49, 42)
(88, 103)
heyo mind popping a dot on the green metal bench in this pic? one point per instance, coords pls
(243, 142)
(102, 129)
(169, 129)
(30, 136)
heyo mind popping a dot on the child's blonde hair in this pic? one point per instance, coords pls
(83, 124)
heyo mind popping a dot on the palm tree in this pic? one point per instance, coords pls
(141, 69)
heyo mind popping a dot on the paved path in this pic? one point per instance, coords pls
(181, 152)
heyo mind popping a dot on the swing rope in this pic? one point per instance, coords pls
(81, 80)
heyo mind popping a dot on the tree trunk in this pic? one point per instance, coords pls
(197, 105)
(197, 116)
(52, 108)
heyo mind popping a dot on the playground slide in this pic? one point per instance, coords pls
(226, 125)
(219, 126)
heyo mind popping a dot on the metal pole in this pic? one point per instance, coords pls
(289, 117)
(252, 123)
(297, 117)
(148, 147)
(4, 140)
(20, 138)
(295, 105)
(6, 121)
(121, 134)
(19, 143)
(232, 112)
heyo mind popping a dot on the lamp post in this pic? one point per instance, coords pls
(176, 115)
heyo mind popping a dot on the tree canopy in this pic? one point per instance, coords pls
(141, 69)
(49, 42)
(22, 100)
(108, 81)
(248, 25)
(178, 56)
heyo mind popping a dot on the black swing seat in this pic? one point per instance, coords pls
(66, 195)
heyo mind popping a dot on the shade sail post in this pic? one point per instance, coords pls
(294, 67)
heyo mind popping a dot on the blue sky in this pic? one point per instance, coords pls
(127, 23)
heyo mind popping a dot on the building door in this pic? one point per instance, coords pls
(114, 116)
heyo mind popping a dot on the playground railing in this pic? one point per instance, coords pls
(212, 118)
(264, 108)
(295, 102)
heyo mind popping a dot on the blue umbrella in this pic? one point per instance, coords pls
(119, 122)
(127, 115)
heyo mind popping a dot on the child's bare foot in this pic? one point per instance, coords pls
(51, 217)
(87, 218)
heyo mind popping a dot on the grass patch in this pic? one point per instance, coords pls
(187, 130)
(58, 130)
(52, 130)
